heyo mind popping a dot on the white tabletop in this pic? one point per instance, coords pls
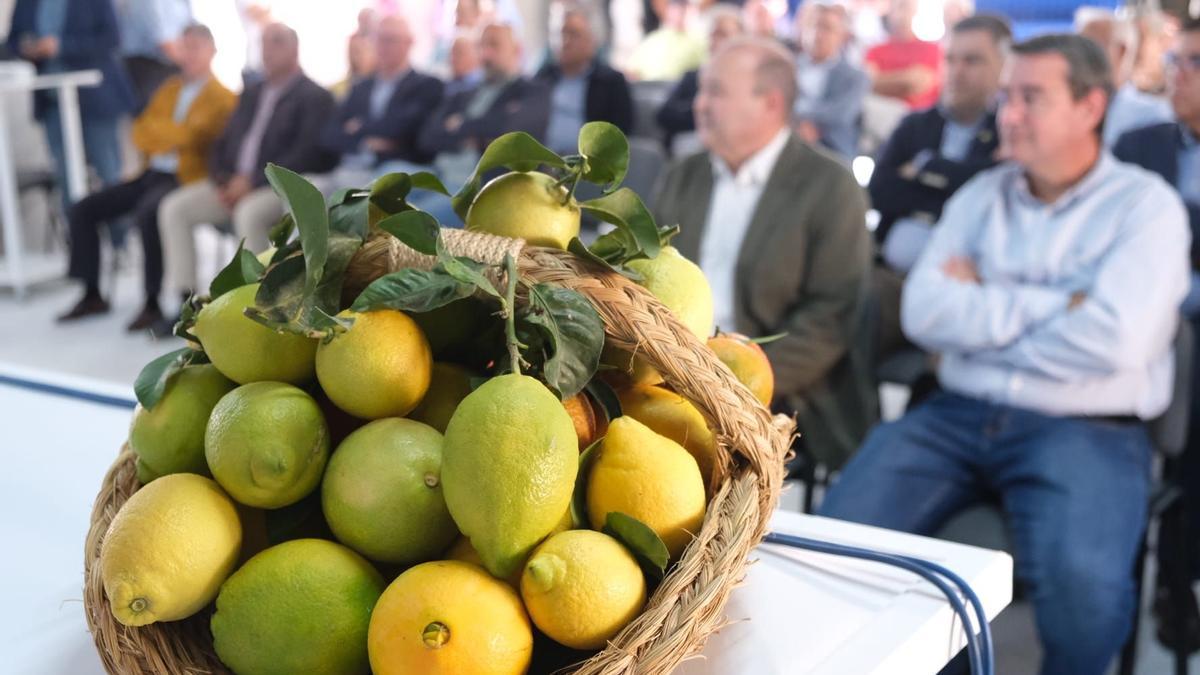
(797, 612)
(16, 79)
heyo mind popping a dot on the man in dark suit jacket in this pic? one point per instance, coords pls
(675, 115)
(67, 35)
(779, 229)
(381, 118)
(278, 120)
(583, 89)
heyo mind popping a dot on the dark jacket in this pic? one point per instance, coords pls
(675, 115)
(897, 197)
(412, 99)
(803, 270)
(608, 97)
(292, 136)
(523, 105)
(1156, 148)
(89, 40)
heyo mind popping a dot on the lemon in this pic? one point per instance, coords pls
(590, 423)
(449, 618)
(169, 438)
(246, 351)
(463, 551)
(267, 444)
(649, 477)
(508, 468)
(168, 550)
(449, 385)
(582, 587)
(382, 492)
(748, 362)
(671, 415)
(303, 606)
(526, 205)
(379, 368)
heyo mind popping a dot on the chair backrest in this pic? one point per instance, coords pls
(647, 161)
(648, 97)
(1169, 430)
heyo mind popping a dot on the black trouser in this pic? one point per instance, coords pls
(147, 75)
(138, 198)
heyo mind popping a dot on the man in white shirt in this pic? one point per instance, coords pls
(778, 228)
(1051, 290)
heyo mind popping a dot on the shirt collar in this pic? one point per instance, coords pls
(393, 80)
(1094, 176)
(1187, 139)
(757, 169)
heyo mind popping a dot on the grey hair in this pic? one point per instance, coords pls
(591, 14)
(1087, 66)
(1124, 29)
(776, 68)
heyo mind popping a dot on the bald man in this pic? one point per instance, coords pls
(1118, 36)
(277, 120)
(381, 118)
(778, 227)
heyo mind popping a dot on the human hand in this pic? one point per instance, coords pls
(962, 269)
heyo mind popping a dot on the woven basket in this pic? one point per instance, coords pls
(687, 606)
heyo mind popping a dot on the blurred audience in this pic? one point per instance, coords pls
(582, 87)
(381, 118)
(173, 134)
(1156, 30)
(360, 55)
(670, 50)
(778, 229)
(903, 66)
(831, 90)
(465, 72)
(277, 120)
(150, 35)
(954, 11)
(1130, 108)
(675, 116)
(1050, 290)
(65, 35)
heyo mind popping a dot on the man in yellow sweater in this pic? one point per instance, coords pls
(173, 133)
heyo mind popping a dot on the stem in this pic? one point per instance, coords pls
(510, 314)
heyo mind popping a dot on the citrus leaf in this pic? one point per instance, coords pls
(580, 249)
(282, 231)
(602, 393)
(607, 153)
(350, 215)
(152, 382)
(515, 150)
(416, 229)
(187, 318)
(283, 301)
(625, 209)
(389, 192)
(768, 339)
(307, 206)
(412, 290)
(244, 269)
(579, 511)
(642, 542)
(574, 336)
(423, 180)
(346, 194)
(465, 270)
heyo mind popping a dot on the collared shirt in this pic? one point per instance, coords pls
(734, 198)
(485, 95)
(464, 83)
(957, 138)
(1119, 236)
(247, 161)
(567, 114)
(168, 162)
(381, 93)
(1131, 109)
(146, 24)
(811, 80)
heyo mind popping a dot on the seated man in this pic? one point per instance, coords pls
(464, 73)
(382, 115)
(583, 88)
(830, 98)
(669, 51)
(277, 120)
(778, 228)
(1051, 290)
(904, 67)
(675, 116)
(174, 132)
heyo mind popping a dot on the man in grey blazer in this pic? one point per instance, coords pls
(829, 102)
(778, 228)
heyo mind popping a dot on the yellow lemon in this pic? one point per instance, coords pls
(169, 438)
(671, 415)
(526, 205)
(748, 362)
(449, 385)
(379, 368)
(246, 351)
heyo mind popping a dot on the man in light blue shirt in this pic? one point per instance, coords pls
(1050, 290)
(150, 32)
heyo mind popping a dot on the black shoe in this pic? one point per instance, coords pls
(145, 320)
(88, 306)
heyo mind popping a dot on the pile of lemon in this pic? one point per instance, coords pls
(366, 504)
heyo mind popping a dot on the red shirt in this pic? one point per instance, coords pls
(892, 56)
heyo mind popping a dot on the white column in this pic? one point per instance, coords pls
(72, 133)
(10, 211)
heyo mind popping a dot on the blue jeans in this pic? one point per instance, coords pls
(102, 151)
(1074, 493)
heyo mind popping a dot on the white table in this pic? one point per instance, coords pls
(798, 612)
(13, 80)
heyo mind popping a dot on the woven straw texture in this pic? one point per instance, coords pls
(686, 607)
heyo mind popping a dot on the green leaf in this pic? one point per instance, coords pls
(350, 216)
(625, 209)
(307, 207)
(607, 153)
(412, 290)
(390, 191)
(282, 231)
(641, 541)
(417, 229)
(423, 180)
(577, 247)
(346, 194)
(187, 319)
(466, 270)
(283, 301)
(768, 339)
(602, 393)
(244, 269)
(515, 150)
(579, 511)
(151, 383)
(574, 336)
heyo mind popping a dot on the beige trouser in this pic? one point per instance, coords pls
(183, 209)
